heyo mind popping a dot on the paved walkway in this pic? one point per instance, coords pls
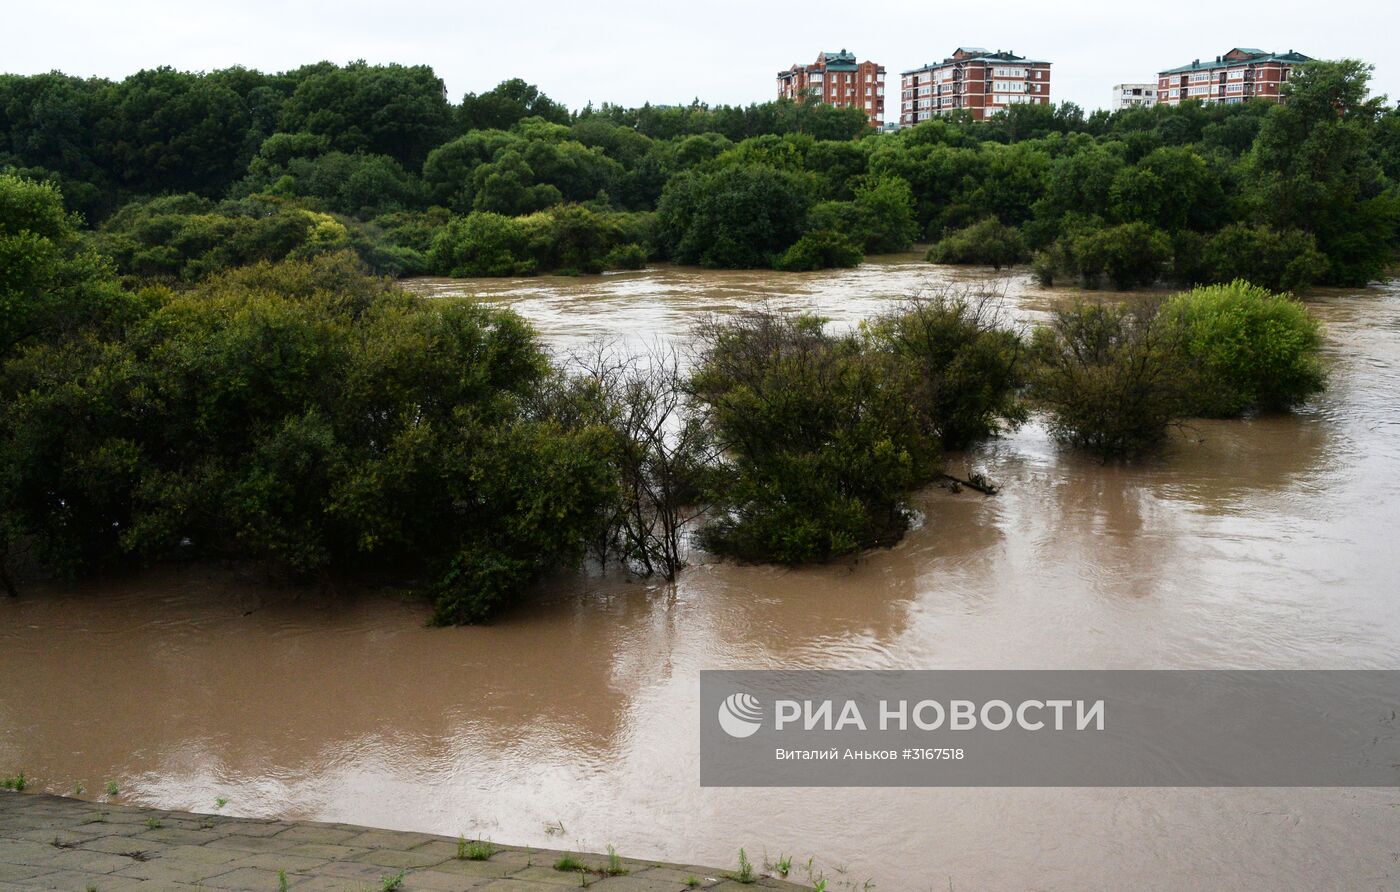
(51, 842)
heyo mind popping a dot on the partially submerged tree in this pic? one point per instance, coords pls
(1110, 381)
(660, 450)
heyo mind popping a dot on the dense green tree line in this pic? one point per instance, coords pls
(1285, 195)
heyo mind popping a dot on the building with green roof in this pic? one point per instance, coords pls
(1241, 74)
(837, 79)
(972, 81)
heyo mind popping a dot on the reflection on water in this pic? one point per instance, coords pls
(1261, 543)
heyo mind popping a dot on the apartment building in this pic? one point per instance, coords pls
(1242, 73)
(972, 80)
(838, 79)
(1133, 96)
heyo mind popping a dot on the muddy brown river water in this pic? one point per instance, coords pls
(1264, 543)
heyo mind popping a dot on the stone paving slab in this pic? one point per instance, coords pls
(53, 842)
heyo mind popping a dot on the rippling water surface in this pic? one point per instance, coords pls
(1266, 543)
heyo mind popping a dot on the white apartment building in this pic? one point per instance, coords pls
(1133, 96)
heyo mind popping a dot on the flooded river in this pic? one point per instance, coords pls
(1266, 543)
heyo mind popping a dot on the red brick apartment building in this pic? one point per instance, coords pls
(972, 80)
(1242, 73)
(838, 79)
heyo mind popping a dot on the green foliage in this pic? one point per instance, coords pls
(1172, 188)
(733, 217)
(987, 242)
(172, 130)
(310, 415)
(880, 218)
(1110, 381)
(50, 286)
(818, 445)
(1314, 166)
(1012, 179)
(614, 867)
(967, 365)
(569, 239)
(506, 104)
(736, 187)
(187, 238)
(391, 883)
(1129, 255)
(395, 110)
(1247, 348)
(356, 185)
(628, 256)
(1078, 182)
(474, 850)
(1282, 261)
(527, 170)
(745, 874)
(820, 249)
(482, 244)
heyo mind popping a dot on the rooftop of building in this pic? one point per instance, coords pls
(1239, 55)
(978, 54)
(841, 60)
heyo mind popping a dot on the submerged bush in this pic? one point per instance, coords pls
(186, 238)
(482, 244)
(1282, 261)
(818, 445)
(1130, 256)
(820, 249)
(307, 414)
(967, 364)
(988, 242)
(628, 256)
(733, 217)
(1246, 348)
(879, 219)
(1109, 380)
(570, 239)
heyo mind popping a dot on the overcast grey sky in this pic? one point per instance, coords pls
(630, 52)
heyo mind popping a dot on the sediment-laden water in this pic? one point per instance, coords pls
(1265, 543)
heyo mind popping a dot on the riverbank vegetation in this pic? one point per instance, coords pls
(1114, 378)
(314, 416)
(202, 352)
(179, 176)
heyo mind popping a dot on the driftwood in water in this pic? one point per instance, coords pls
(974, 481)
